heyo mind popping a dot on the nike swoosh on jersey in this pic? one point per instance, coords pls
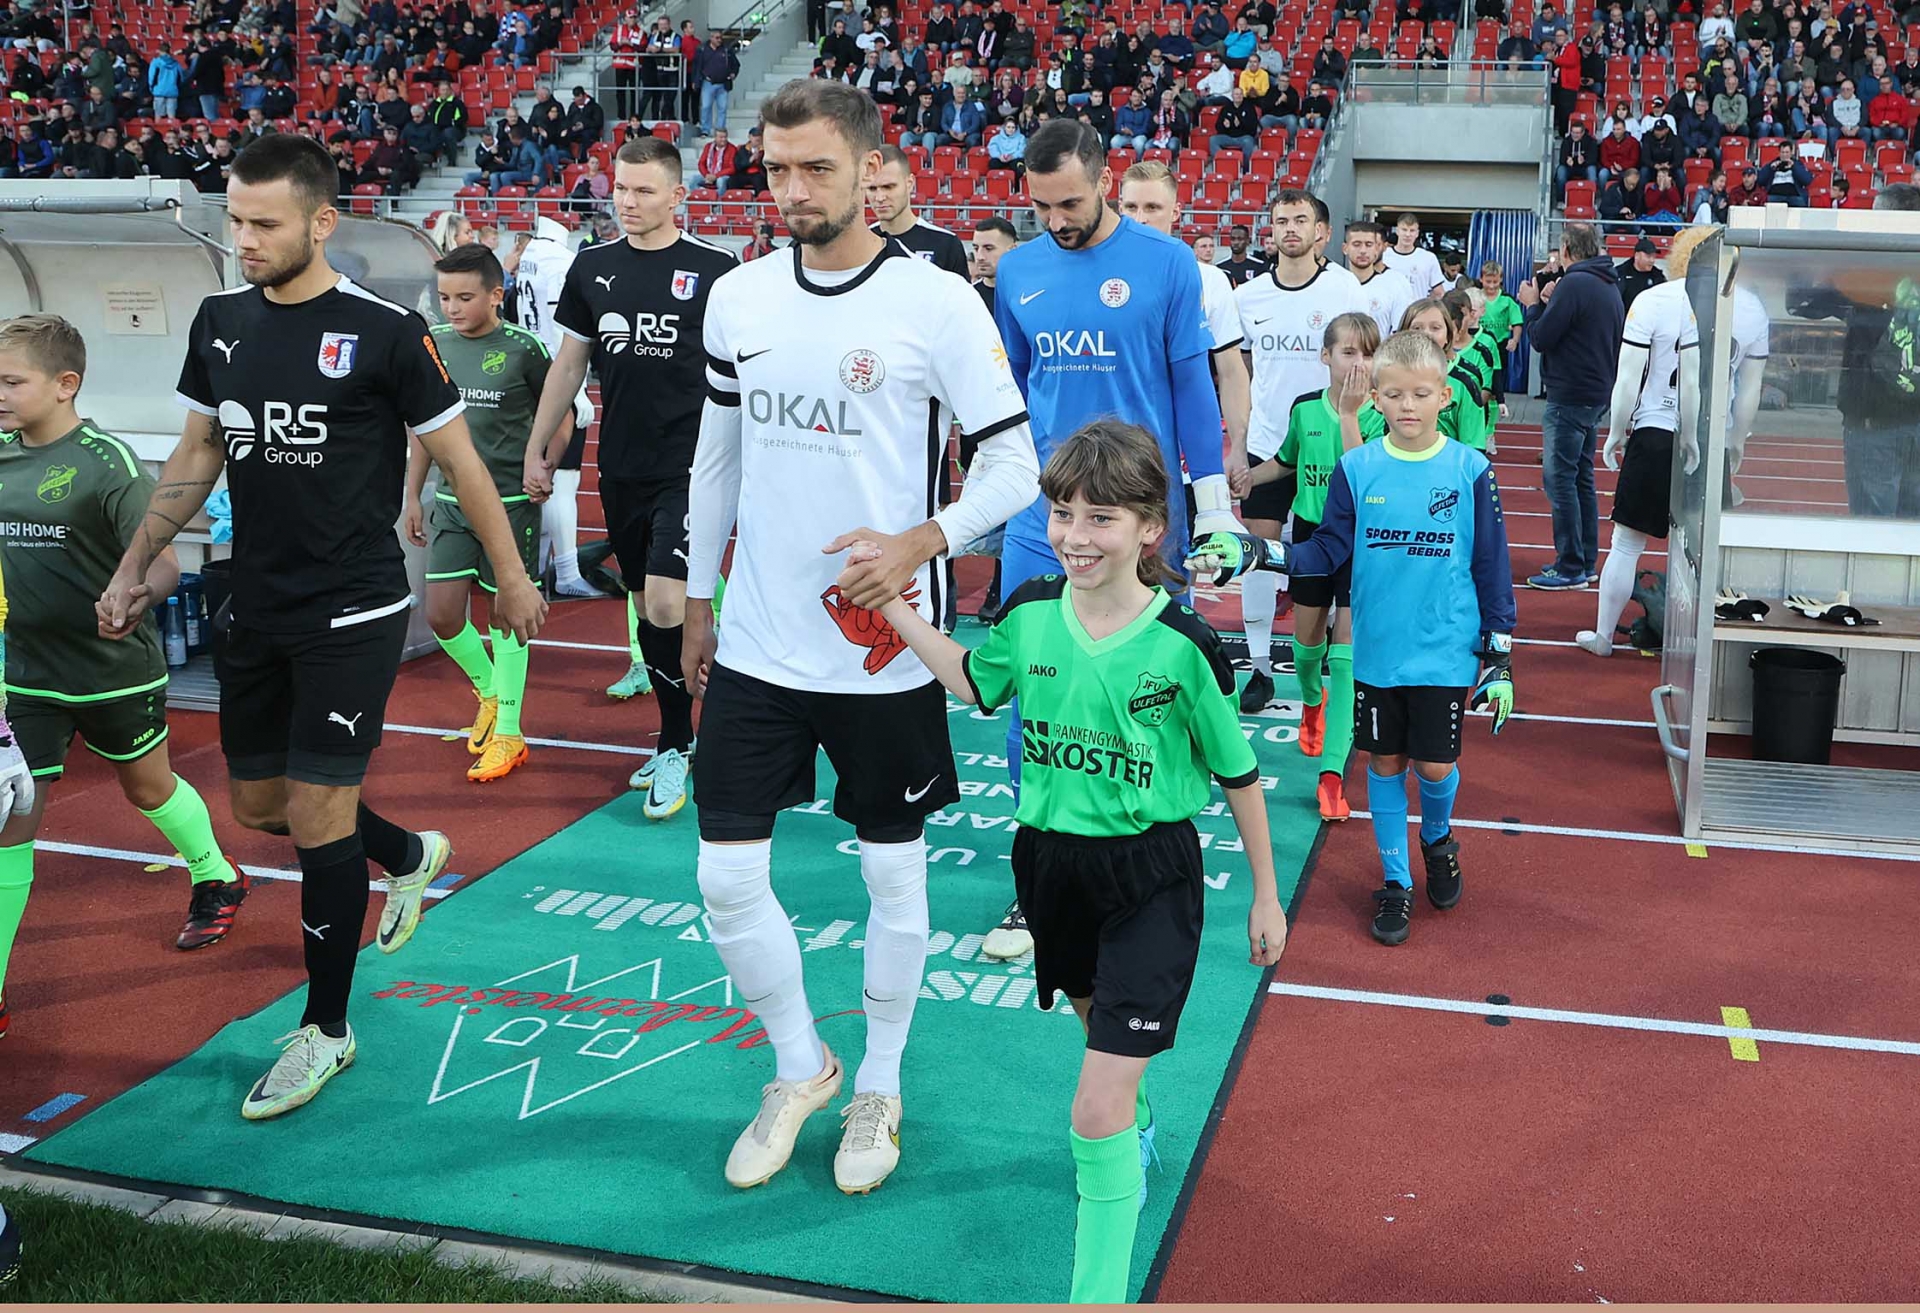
(1030, 295)
(742, 357)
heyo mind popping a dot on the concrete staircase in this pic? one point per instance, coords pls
(436, 189)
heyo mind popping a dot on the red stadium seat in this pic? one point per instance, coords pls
(1580, 195)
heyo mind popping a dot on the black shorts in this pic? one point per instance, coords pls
(1643, 497)
(1319, 591)
(648, 527)
(576, 447)
(118, 729)
(307, 706)
(1421, 721)
(1270, 501)
(1117, 921)
(759, 742)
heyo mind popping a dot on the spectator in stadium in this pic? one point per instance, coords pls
(1847, 115)
(762, 243)
(1097, 114)
(1548, 24)
(1008, 148)
(1241, 44)
(1730, 104)
(1716, 26)
(1019, 48)
(1170, 122)
(422, 141)
(1839, 189)
(1699, 130)
(447, 114)
(1661, 202)
(1618, 152)
(1660, 146)
(1516, 49)
(1641, 128)
(870, 37)
(166, 79)
(211, 172)
(1711, 202)
(586, 124)
(451, 228)
(1576, 328)
(715, 68)
(1768, 112)
(489, 159)
(1210, 28)
(1809, 115)
(1133, 122)
(1238, 127)
(1786, 181)
(591, 190)
(1281, 108)
(97, 112)
(346, 174)
(1578, 159)
(1748, 190)
(963, 122)
(1891, 114)
(922, 123)
(1316, 108)
(1211, 91)
(390, 164)
(1639, 271)
(254, 128)
(525, 165)
(1759, 23)
(749, 165)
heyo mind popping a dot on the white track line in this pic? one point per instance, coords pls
(1669, 840)
(10, 1143)
(616, 748)
(1613, 1021)
(174, 859)
(1567, 720)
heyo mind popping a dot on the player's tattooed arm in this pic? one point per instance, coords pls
(184, 485)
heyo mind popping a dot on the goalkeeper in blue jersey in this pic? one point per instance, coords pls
(1419, 519)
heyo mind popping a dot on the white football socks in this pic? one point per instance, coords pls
(560, 524)
(1617, 574)
(1259, 595)
(757, 945)
(896, 956)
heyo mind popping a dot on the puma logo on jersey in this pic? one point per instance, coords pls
(353, 726)
(226, 348)
(605, 280)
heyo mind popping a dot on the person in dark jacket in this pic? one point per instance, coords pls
(1658, 147)
(1576, 328)
(586, 123)
(1639, 271)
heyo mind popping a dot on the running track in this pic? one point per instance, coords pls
(1372, 1147)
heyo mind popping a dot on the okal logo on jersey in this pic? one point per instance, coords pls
(1441, 503)
(645, 334)
(685, 284)
(338, 351)
(56, 485)
(797, 410)
(862, 371)
(1072, 342)
(1115, 293)
(1152, 699)
(287, 435)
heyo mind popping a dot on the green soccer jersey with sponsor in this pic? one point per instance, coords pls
(1120, 733)
(1500, 316)
(67, 512)
(500, 376)
(1313, 447)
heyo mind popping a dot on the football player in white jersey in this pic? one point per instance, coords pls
(542, 273)
(1284, 314)
(1148, 196)
(1752, 335)
(1416, 263)
(1655, 398)
(1387, 290)
(827, 371)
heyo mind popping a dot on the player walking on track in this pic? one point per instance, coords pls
(302, 387)
(636, 309)
(1285, 313)
(1102, 317)
(828, 371)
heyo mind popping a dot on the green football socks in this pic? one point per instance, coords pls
(634, 653)
(1306, 669)
(183, 821)
(509, 681)
(1107, 1173)
(1142, 1111)
(469, 652)
(16, 877)
(1339, 741)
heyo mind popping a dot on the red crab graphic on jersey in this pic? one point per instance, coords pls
(864, 628)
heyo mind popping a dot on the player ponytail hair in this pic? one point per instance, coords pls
(1112, 463)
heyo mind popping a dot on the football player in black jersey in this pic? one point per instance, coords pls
(636, 309)
(891, 200)
(301, 387)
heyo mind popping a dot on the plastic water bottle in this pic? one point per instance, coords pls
(174, 631)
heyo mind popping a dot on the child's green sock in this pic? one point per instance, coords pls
(509, 681)
(633, 633)
(183, 821)
(16, 877)
(1306, 669)
(1107, 1175)
(1339, 741)
(1142, 1111)
(469, 652)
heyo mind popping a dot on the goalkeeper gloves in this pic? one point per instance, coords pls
(16, 781)
(1220, 558)
(1495, 688)
(1840, 612)
(1213, 507)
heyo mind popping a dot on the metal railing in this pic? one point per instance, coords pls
(1468, 82)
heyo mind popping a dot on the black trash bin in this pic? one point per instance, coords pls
(1796, 700)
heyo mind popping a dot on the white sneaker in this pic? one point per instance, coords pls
(401, 915)
(767, 1143)
(1593, 643)
(1011, 937)
(576, 587)
(666, 785)
(869, 1143)
(308, 1061)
